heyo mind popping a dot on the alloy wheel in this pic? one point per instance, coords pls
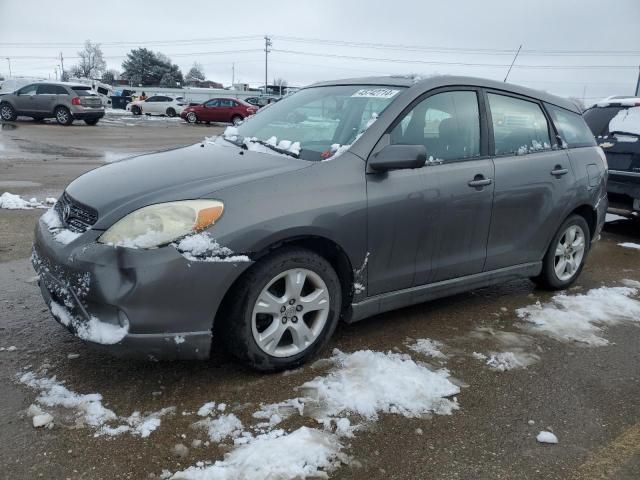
(62, 115)
(569, 252)
(6, 113)
(290, 312)
(192, 118)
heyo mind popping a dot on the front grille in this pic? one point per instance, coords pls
(75, 216)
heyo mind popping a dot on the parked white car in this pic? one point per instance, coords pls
(158, 105)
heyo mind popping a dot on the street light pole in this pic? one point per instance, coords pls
(267, 44)
(9, 61)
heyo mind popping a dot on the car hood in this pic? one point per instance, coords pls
(197, 171)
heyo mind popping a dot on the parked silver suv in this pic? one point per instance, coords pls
(63, 101)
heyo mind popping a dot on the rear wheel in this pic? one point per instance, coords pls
(566, 255)
(192, 117)
(136, 110)
(171, 112)
(63, 116)
(91, 121)
(283, 311)
(7, 112)
(236, 119)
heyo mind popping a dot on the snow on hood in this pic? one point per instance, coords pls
(626, 121)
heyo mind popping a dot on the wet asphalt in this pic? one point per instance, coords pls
(589, 397)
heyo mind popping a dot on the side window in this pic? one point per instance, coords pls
(447, 124)
(226, 103)
(519, 126)
(152, 99)
(44, 89)
(572, 128)
(28, 90)
(211, 103)
(61, 90)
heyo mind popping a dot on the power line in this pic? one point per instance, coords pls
(465, 64)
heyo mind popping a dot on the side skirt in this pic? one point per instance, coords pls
(424, 293)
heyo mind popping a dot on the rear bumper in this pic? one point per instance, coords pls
(88, 114)
(623, 188)
(159, 304)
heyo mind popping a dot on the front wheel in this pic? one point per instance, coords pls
(136, 110)
(8, 113)
(284, 310)
(566, 255)
(171, 112)
(63, 116)
(192, 117)
(237, 120)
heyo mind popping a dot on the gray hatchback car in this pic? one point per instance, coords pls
(347, 199)
(63, 101)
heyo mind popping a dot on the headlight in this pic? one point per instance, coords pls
(162, 223)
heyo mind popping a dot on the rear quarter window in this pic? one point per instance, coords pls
(82, 91)
(571, 127)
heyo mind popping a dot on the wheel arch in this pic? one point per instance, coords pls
(590, 216)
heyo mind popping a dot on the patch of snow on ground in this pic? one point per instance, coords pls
(504, 361)
(428, 347)
(201, 247)
(11, 201)
(574, 317)
(630, 245)
(224, 426)
(92, 330)
(137, 424)
(303, 453)
(547, 437)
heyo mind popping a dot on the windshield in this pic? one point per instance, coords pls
(315, 123)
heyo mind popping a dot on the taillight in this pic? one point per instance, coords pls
(603, 157)
(75, 101)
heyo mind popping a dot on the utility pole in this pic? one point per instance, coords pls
(233, 74)
(9, 60)
(61, 67)
(267, 44)
(638, 84)
(511, 66)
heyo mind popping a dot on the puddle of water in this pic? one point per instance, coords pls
(18, 184)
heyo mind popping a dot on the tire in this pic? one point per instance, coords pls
(171, 112)
(63, 116)
(236, 119)
(297, 334)
(192, 117)
(564, 252)
(7, 112)
(91, 121)
(136, 110)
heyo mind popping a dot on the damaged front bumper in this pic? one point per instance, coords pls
(152, 304)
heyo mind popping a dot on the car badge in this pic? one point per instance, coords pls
(66, 213)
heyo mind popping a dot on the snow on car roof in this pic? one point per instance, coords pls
(619, 101)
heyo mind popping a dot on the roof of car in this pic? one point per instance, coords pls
(436, 81)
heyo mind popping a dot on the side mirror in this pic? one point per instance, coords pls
(395, 157)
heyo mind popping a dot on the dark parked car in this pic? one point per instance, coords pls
(615, 123)
(261, 101)
(347, 199)
(63, 101)
(228, 110)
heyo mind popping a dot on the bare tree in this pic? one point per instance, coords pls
(91, 64)
(110, 76)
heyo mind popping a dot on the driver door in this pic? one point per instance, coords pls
(151, 105)
(210, 111)
(26, 99)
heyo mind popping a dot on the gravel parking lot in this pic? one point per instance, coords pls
(515, 380)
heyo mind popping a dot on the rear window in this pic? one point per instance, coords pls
(598, 119)
(82, 91)
(571, 127)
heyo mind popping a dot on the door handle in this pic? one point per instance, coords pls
(479, 181)
(558, 171)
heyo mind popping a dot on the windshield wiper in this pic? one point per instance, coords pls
(275, 149)
(237, 144)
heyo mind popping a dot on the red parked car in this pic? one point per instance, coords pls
(219, 110)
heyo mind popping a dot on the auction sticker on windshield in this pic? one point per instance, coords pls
(375, 93)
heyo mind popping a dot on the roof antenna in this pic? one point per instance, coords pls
(511, 66)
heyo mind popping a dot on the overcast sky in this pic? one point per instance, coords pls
(333, 39)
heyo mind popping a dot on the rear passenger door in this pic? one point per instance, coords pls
(46, 98)
(534, 181)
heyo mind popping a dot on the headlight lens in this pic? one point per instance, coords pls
(162, 223)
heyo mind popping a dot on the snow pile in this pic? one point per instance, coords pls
(547, 437)
(231, 133)
(201, 247)
(630, 245)
(504, 361)
(428, 347)
(304, 453)
(573, 318)
(92, 330)
(274, 413)
(60, 234)
(16, 202)
(88, 408)
(224, 426)
(626, 121)
(137, 424)
(284, 145)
